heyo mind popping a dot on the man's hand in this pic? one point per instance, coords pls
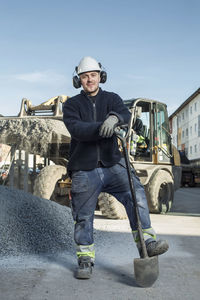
(108, 126)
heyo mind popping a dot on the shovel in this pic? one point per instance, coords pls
(145, 268)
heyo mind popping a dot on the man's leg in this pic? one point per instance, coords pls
(119, 187)
(154, 246)
(86, 187)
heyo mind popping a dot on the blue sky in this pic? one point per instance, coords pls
(149, 48)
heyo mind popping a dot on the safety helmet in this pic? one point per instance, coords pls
(88, 64)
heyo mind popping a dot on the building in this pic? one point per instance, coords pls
(185, 126)
(4, 154)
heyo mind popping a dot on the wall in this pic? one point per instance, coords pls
(4, 157)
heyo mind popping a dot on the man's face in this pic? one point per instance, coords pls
(90, 82)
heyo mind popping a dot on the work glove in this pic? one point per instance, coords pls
(108, 126)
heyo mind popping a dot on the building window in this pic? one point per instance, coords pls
(195, 127)
(183, 116)
(183, 133)
(190, 109)
(190, 149)
(195, 106)
(198, 125)
(186, 112)
(195, 148)
(190, 130)
(186, 132)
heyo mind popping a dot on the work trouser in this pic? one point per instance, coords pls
(86, 187)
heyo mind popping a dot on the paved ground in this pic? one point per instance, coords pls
(51, 277)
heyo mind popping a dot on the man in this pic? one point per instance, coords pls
(96, 165)
(137, 136)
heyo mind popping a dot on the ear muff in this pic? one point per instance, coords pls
(76, 80)
(103, 77)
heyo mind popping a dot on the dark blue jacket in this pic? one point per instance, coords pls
(83, 119)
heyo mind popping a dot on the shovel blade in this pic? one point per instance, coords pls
(146, 271)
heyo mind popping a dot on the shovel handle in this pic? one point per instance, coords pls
(122, 138)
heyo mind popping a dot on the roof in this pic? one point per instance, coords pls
(196, 93)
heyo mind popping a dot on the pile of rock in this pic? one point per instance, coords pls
(31, 225)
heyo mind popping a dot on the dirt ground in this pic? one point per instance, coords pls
(50, 277)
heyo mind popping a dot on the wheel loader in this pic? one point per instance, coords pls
(40, 130)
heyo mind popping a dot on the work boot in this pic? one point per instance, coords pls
(154, 247)
(85, 266)
(157, 247)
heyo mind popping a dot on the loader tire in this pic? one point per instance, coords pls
(45, 182)
(110, 207)
(161, 192)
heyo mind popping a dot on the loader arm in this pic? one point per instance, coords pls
(49, 107)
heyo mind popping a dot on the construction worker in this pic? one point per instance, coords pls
(96, 164)
(137, 137)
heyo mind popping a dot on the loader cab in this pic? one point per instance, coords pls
(155, 146)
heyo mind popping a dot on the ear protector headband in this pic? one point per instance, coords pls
(77, 81)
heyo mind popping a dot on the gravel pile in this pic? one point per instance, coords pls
(33, 134)
(31, 225)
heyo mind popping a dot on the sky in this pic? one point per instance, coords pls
(149, 48)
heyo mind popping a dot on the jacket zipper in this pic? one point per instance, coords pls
(95, 119)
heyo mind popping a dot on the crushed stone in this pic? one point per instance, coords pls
(30, 225)
(33, 134)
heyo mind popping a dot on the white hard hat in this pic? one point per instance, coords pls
(88, 64)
